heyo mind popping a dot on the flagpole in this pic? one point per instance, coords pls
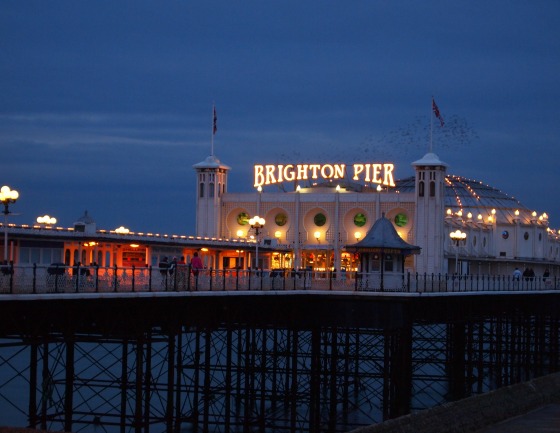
(431, 123)
(212, 128)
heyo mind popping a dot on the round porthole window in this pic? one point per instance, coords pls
(401, 219)
(505, 234)
(320, 219)
(360, 220)
(281, 219)
(243, 219)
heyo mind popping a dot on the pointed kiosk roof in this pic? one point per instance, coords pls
(383, 237)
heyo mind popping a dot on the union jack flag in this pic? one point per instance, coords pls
(437, 113)
(215, 125)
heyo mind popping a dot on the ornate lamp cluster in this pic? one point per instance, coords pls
(46, 220)
(257, 223)
(7, 197)
(457, 236)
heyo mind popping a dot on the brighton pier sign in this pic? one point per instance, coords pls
(377, 173)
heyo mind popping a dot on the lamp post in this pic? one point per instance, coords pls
(257, 223)
(457, 236)
(7, 197)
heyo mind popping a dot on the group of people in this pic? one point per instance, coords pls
(167, 267)
(529, 274)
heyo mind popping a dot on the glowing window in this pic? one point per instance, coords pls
(281, 219)
(401, 220)
(243, 219)
(360, 220)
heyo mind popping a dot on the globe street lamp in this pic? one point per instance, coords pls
(257, 223)
(7, 197)
(457, 236)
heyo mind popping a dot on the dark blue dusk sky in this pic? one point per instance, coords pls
(106, 105)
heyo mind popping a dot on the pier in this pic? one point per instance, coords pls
(274, 358)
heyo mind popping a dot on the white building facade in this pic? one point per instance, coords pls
(323, 212)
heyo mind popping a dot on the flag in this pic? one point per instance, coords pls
(215, 124)
(437, 113)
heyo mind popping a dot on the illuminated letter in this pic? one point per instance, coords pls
(314, 168)
(375, 176)
(289, 174)
(270, 175)
(389, 174)
(358, 168)
(259, 177)
(339, 171)
(280, 172)
(368, 172)
(327, 171)
(301, 172)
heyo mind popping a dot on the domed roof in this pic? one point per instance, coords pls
(211, 162)
(475, 197)
(86, 219)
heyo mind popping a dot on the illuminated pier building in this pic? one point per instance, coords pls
(327, 207)
(331, 206)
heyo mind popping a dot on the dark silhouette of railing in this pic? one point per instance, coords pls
(34, 279)
(289, 364)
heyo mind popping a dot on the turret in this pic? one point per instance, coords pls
(430, 213)
(211, 184)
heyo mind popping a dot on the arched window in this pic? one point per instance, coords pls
(421, 189)
(211, 190)
(201, 192)
(432, 189)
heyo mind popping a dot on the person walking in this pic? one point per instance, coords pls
(196, 264)
(164, 266)
(546, 278)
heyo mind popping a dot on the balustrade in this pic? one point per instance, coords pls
(40, 279)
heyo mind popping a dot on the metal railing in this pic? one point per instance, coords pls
(37, 279)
